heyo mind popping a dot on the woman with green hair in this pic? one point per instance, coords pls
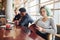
(45, 24)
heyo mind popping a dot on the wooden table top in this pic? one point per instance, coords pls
(17, 34)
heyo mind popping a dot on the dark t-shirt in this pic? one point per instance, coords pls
(17, 17)
(2, 12)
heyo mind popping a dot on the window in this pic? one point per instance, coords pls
(33, 8)
(41, 1)
(57, 12)
(56, 16)
(57, 5)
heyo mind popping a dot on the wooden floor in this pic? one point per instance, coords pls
(18, 34)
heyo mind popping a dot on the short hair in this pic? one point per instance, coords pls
(22, 10)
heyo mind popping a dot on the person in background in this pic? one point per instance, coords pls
(45, 24)
(2, 16)
(23, 19)
(15, 11)
(2, 11)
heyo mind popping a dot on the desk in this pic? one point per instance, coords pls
(17, 33)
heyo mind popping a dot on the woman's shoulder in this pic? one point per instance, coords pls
(51, 18)
(39, 19)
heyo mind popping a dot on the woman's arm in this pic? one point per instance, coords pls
(53, 30)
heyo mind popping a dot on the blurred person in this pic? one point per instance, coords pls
(2, 11)
(23, 19)
(45, 24)
(15, 11)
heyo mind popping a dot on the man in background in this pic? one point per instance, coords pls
(23, 19)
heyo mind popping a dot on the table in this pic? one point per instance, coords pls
(17, 33)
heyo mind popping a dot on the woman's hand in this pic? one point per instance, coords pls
(40, 29)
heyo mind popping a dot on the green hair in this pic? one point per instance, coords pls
(48, 11)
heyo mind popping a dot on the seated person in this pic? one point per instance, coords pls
(23, 19)
(45, 24)
(2, 12)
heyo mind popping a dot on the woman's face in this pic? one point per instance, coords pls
(43, 12)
